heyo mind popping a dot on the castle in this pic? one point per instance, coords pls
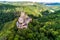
(23, 21)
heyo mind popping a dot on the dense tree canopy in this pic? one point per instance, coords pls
(45, 25)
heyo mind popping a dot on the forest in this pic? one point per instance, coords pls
(45, 23)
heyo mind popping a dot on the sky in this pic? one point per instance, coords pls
(35, 0)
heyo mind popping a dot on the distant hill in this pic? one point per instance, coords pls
(51, 3)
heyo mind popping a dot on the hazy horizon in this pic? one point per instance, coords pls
(48, 1)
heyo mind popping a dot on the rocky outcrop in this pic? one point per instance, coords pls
(23, 21)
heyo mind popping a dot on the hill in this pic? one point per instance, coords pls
(44, 26)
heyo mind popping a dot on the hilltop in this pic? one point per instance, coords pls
(45, 24)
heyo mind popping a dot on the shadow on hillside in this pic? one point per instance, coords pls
(7, 6)
(6, 17)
